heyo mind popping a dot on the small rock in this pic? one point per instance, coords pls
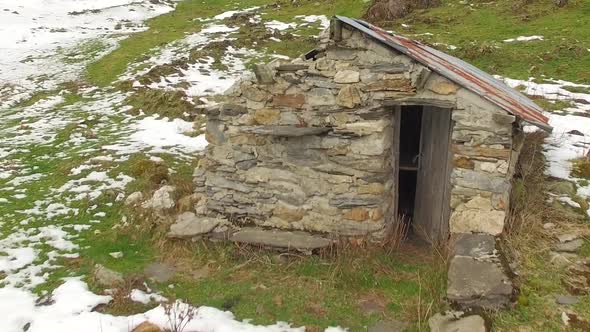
(189, 225)
(563, 238)
(159, 272)
(548, 226)
(147, 327)
(571, 246)
(452, 323)
(116, 255)
(107, 277)
(388, 326)
(567, 299)
(134, 198)
(162, 199)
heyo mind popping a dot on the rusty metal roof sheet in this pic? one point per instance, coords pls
(458, 71)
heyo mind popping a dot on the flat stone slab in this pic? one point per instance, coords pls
(280, 239)
(473, 283)
(286, 131)
(189, 225)
(474, 245)
(452, 323)
(567, 299)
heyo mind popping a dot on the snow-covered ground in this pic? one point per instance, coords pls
(570, 138)
(47, 42)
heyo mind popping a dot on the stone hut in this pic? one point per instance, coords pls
(365, 128)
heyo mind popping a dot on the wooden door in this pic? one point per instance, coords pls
(432, 206)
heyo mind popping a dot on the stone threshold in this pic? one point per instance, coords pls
(273, 238)
(477, 280)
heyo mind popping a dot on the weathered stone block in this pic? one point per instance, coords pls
(349, 97)
(321, 97)
(477, 216)
(267, 116)
(357, 214)
(290, 101)
(347, 77)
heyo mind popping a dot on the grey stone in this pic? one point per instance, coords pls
(162, 199)
(134, 198)
(107, 277)
(264, 74)
(337, 53)
(567, 237)
(452, 323)
(562, 188)
(321, 97)
(571, 246)
(188, 225)
(347, 201)
(159, 272)
(388, 326)
(474, 245)
(233, 110)
(286, 131)
(473, 283)
(280, 239)
(388, 68)
(567, 299)
(292, 67)
(481, 181)
(215, 132)
(548, 226)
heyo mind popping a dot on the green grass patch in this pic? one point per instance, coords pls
(167, 103)
(182, 21)
(581, 168)
(478, 31)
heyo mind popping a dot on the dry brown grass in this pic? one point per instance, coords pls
(524, 229)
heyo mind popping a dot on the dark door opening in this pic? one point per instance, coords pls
(409, 160)
(424, 165)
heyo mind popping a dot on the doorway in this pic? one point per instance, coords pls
(423, 187)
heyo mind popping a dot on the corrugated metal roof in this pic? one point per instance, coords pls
(458, 71)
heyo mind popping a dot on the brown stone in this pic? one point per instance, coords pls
(403, 85)
(288, 214)
(349, 97)
(267, 116)
(377, 214)
(357, 214)
(147, 327)
(291, 101)
(479, 151)
(372, 188)
(463, 162)
(444, 88)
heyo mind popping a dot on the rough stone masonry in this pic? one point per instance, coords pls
(307, 145)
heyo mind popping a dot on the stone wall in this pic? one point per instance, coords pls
(308, 144)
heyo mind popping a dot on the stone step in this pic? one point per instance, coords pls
(476, 278)
(280, 239)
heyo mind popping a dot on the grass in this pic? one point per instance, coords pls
(313, 291)
(562, 54)
(527, 246)
(581, 168)
(175, 25)
(167, 103)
